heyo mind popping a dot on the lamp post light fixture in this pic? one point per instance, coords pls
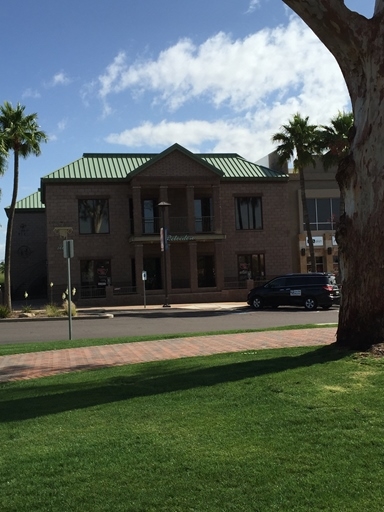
(164, 247)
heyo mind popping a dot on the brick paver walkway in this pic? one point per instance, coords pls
(42, 364)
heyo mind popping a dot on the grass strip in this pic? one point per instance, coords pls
(22, 348)
(272, 430)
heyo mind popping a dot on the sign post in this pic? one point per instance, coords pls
(68, 253)
(144, 278)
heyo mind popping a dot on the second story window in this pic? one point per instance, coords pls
(93, 216)
(150, 216)
(203, 215)
(248, 213)
(323, 213)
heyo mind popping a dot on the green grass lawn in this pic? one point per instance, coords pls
(270, 430)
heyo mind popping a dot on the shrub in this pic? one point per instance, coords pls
(66, 308)
(4, 312)
(53, 310)
(27, 308)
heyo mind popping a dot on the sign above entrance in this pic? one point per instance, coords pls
(180, 238)
(317, 241)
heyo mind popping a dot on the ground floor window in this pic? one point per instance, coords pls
(319, 264)
(250, 266)
(95, 272)
(336, 269)
(152, 265)
(206, 270)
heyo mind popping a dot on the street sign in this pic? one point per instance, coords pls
(68, 250)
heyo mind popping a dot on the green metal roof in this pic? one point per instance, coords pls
(100, 166)
(118, 166)
(235, 166)
(32, 202)
(113, 166)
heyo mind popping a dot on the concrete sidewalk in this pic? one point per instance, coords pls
(43, 364)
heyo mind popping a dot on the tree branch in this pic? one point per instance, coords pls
(379, 8)
(335, 25)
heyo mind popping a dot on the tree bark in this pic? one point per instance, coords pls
(357, 45)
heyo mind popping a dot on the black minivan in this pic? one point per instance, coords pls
(308, 290)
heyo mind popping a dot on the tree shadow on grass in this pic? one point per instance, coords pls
(150, 379)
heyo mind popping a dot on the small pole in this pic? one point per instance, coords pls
(144, 278)
(164, 248)
(68, 253)
(69, 298)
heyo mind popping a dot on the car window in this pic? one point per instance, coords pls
(277, 283)
(300, 281)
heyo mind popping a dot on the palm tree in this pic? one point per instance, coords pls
(334, 141)
(3, 157)
(298, 140)
(20, 133)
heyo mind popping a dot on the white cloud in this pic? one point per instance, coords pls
(30, 93)
(222, 71)
(261, 80)
(59, 79)
(253, 4)
(61, 125)
(191, 133)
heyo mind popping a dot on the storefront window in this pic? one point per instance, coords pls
(336, 268)
(95, 273)
(152, 265)
(206, 271)
(251, 266)
(319, 264)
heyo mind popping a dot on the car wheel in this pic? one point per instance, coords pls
(310, 304)
(257, 303)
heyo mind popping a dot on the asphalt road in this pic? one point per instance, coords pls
(147, 322)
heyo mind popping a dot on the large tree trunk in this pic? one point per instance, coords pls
(357, 45)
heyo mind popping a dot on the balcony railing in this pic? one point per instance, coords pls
(203, 224)
(177, 225)
(151, 225)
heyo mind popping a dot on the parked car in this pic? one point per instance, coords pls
(308, 290)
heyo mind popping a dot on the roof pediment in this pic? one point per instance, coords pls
(174, 160)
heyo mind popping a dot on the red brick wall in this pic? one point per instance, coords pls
(28, 263)
(176, 171)
(273, 240)
(62, 210)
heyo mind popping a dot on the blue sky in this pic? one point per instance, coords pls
(140, 75)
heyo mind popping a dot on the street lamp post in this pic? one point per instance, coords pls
(164, 247)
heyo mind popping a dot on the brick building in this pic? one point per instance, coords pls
(323, 199)
(226, 223)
